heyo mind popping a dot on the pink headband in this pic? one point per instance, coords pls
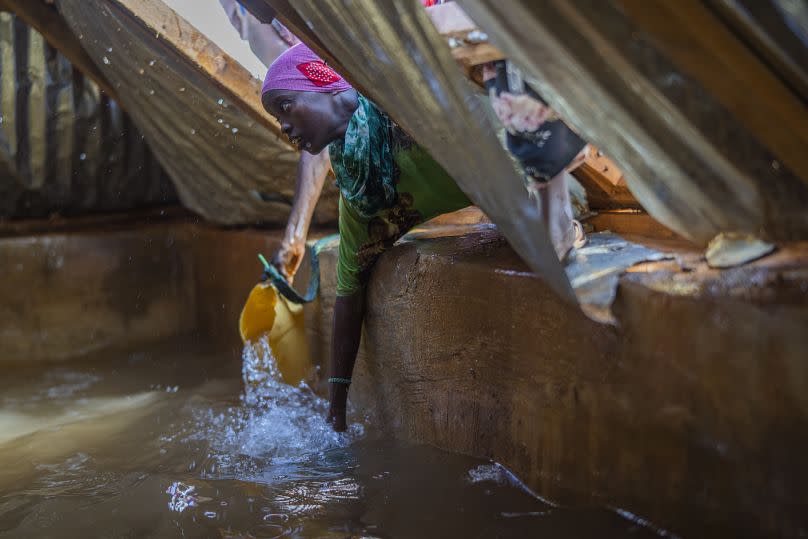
(298, 68)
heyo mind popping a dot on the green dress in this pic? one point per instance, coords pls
(388, 184)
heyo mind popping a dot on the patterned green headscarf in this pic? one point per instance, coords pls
(363, 161)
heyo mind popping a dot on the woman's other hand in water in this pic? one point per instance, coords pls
(336, 418)
(288, 258)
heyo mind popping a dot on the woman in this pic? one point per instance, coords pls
(545, 147)
(269, 38)
(387, 183)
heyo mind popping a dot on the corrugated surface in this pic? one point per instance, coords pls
(64, 147)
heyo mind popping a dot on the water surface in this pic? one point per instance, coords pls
(166, 442)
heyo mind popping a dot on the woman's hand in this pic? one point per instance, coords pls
(345, 335)
(311, 173)
(288, 258)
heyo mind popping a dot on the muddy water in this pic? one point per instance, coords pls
(167, 443)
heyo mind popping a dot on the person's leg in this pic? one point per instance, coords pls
(544, 146)
(553, 201)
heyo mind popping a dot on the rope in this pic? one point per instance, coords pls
(275, 277)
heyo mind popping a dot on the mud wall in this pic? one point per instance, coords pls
(691, 413)
(66, 295)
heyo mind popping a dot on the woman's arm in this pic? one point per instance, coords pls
(311, 173)
(349, 311)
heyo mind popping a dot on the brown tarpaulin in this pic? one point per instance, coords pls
(709, 137)
(226, 165)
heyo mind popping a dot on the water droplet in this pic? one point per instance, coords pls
(82, 156)
(182, 89)
(234, 130)
(151, 63)
(106, 60)
(109, 49)
(210, 514)
(220, 120)
(276, 517)
(141, 71)
(151, 92)
(221, 101)
(193, 131)
(227, 126)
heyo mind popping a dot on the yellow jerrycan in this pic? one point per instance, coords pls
(275, 310)
(267, 313)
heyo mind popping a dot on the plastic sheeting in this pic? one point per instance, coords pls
(595, 269)
(392, 51)
(64, 147)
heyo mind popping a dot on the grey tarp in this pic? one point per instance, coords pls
(64, 146)
(392, 51)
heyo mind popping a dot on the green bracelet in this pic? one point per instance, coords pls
(336, 380)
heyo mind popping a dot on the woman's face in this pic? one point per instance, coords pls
(311, 120)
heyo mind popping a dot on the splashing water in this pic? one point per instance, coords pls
(104, 448)
(276, 424)
(182, 496)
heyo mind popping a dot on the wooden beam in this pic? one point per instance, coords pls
(632, 223)
(458, 29)
(471, 55)
(236, 83)
(604, 182)
(46, 20)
